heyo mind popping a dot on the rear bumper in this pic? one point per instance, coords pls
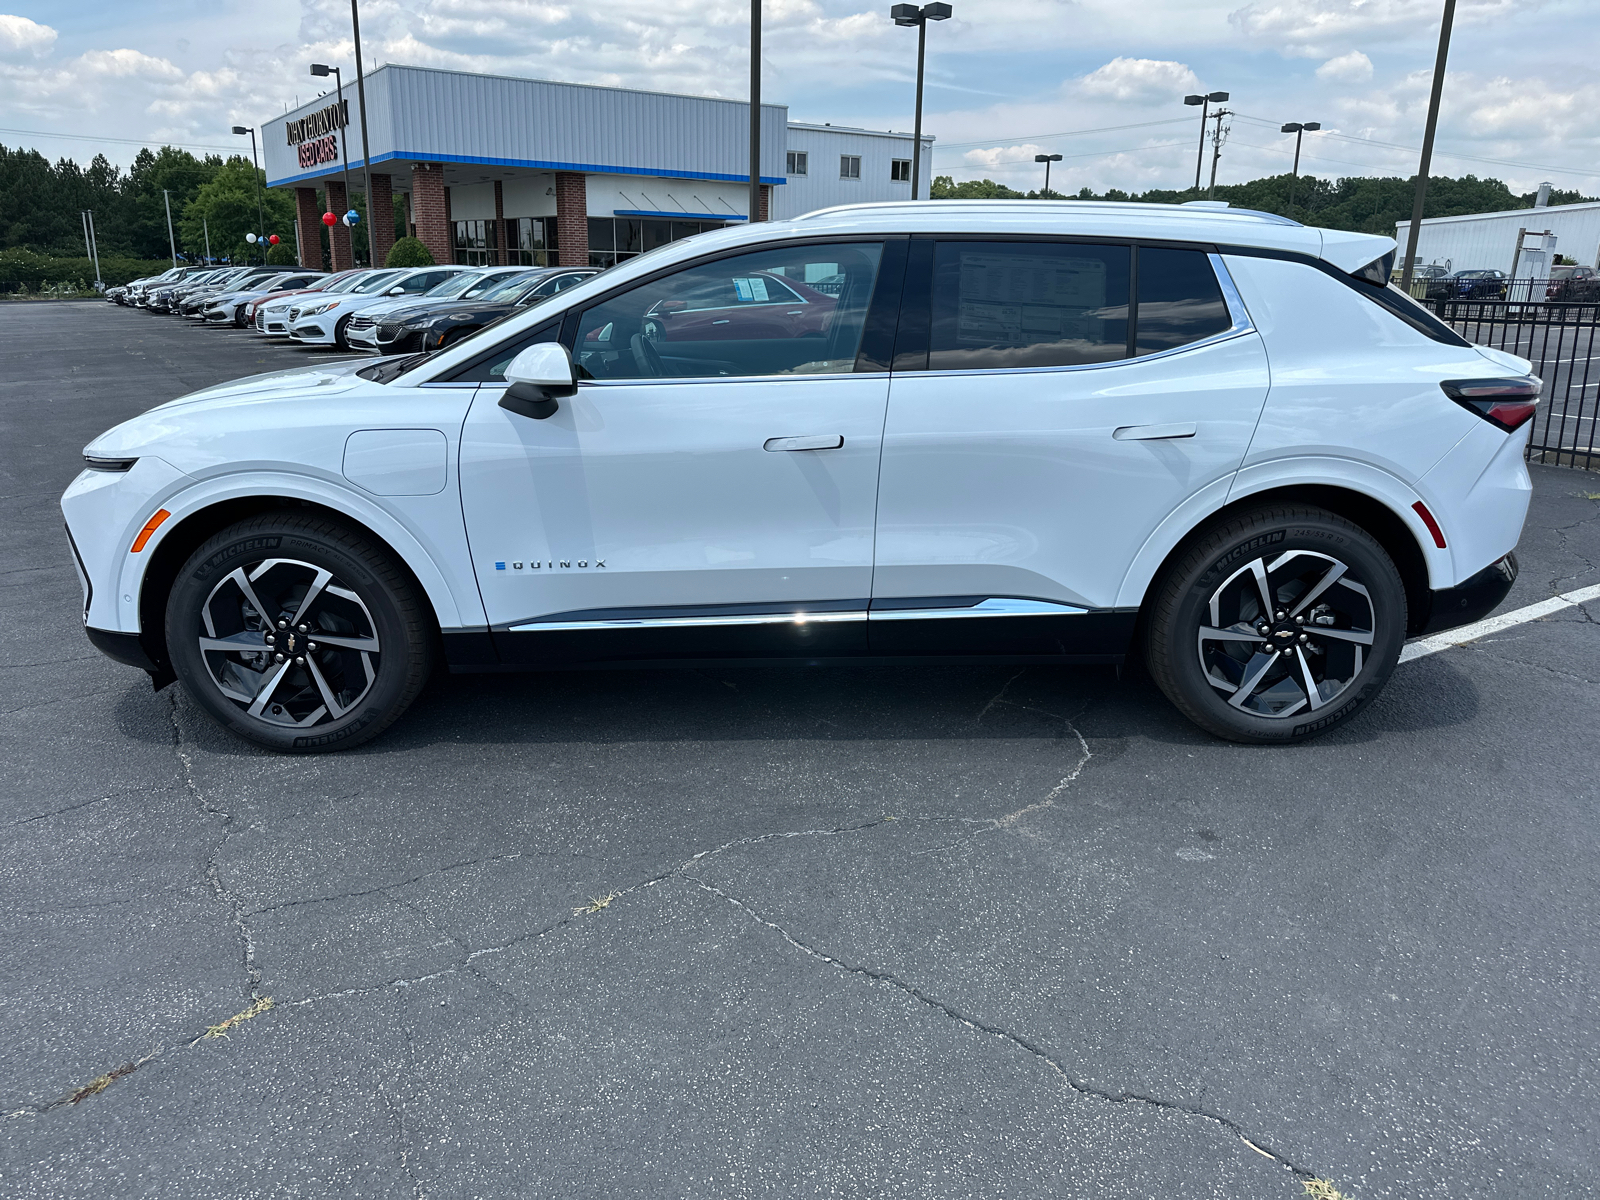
(1472, 599)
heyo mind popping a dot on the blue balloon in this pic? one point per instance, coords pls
(352, 217)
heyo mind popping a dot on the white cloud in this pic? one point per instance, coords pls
(990, 158)
(18, 35)
(1319, 28)
(1354, 67)
(1139, 81)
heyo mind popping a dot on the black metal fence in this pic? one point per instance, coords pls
(1558, 337)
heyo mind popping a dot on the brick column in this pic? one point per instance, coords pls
(380, 211)
(501, 252)
(764, 205)
(430, 209)
(572, 218)
(339, 232)
(308, 227)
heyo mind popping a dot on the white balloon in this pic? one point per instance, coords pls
(250, 237)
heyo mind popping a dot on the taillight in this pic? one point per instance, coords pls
(1506, 403)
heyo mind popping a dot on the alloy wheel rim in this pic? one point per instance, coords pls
(1287, 635)
(289, 644)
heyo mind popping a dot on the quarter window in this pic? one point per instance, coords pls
(798, 162)
(1028, 304)
(1179, 300)
(900, 170)
(849, 166)
(786, 311)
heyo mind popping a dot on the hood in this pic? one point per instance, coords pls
(291, 384)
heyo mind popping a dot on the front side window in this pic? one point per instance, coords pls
(797, 310)
(1179, 300)
(849, 166)
(900, 170)
(1028, 304)
(798, 162)
(375, 283)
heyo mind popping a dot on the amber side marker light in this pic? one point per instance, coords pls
(150, 527)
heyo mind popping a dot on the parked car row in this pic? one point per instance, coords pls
(390, 310)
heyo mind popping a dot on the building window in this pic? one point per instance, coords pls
(531, 242)
(613, 239)
(900, 170)
(475, 243)
(798, 160)
(849, 166)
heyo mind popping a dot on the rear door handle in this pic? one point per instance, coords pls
(819, 441)
(1152, 433)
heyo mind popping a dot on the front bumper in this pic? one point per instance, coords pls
(311, 332)
(1472, 599)
(129, 649)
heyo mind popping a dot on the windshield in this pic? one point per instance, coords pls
(508, 290)
(454, 286)
(367, 286)
(482, 287)
(346, 283)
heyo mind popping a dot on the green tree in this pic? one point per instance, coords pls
(945, 187)
(227, 204)
(282, 255)
(408, 252)
(143, 217)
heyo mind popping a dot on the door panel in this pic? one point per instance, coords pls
(1015, 483)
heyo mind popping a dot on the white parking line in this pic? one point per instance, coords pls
(1469, 633)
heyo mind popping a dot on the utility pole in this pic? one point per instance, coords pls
(94, 252)
(206, 225)
(1217, 138)
(366, 152)
(1204, 103)
(755, 110)
(1427, 146)
(171, 241)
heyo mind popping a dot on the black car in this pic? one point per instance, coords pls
(434, 326)
(1469, 285)
(1571, 283)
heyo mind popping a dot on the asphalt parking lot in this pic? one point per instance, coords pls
(842, 932)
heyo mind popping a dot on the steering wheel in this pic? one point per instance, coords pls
(647, 358)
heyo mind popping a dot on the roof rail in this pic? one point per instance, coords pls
(1064, 206)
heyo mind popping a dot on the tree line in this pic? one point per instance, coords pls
(214, 201)
(1359, 203)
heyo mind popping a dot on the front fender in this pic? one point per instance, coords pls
(427, 534)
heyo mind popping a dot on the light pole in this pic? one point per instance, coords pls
(344, 150)
(1427, 146)
(94, 250)
(908, 15)
(261, 219)
(166, 198)
(1299, 129)
(1046, 159)
(1205, 103)
(755, 111)
(366, 154)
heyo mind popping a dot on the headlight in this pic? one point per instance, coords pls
(315, 309)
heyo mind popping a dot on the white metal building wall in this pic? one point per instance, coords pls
(1489, 240)
(822, 186)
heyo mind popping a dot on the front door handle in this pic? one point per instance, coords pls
(820, 441)
(1153, 433)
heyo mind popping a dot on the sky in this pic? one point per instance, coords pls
(1100, 82)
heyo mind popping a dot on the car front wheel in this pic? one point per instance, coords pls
(1276, 625)
(298, 633)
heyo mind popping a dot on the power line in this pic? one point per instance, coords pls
(1006, 162)
(1045, 137)
(86, 137)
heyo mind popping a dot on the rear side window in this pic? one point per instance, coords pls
(1027, 304)
(1179, 300)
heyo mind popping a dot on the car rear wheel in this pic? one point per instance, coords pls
(298, 633)
(1276, 625)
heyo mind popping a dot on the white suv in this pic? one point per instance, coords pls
(1037, 432)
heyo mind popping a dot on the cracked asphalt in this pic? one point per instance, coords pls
(966, 932)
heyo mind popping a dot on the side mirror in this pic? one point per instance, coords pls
(397, 290)
(536, 378)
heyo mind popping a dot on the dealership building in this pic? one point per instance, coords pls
(493, 169)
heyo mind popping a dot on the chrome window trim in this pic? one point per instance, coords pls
(702, 379)
(783, 618)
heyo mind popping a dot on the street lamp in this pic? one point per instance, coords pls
(261, 220)
(366, 144)
(1204, 102)
(908, 15)
(1047, 159)
(1427, 145)
(344, 150)
(1299, 129)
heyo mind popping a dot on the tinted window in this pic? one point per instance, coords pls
(491, 367)
(1027, 304)
(1180, 300)
(788, 311)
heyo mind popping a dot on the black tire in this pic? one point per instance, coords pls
(369, 605)
(338, 333)
(1244, 684)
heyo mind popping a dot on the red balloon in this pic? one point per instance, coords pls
(273, 239)
(329, 219)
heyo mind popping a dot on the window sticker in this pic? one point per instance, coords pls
(1008, 300)
(751, 289)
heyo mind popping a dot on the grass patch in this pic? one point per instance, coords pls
(1321, 1189)
(595, 905)
(255, 1010)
